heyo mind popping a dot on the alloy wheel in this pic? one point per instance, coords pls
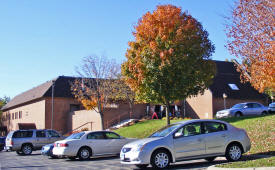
(84, 154)
(27, 149)
(235, 152)
(161, 160)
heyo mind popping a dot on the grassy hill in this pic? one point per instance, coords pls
(260, 129)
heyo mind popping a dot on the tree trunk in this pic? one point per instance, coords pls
(131, 109)
(167, 113)
(102, 121)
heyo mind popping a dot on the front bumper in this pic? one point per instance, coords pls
(135, 157)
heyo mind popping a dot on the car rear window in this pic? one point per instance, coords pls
(22, 134)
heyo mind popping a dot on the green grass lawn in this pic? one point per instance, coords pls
(260, 129)
(142, 129)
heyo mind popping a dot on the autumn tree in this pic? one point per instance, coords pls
(94, 88)
(169, 57)
(250, 32)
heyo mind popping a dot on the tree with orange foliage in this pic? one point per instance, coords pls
(169, 58)
(95, 87)
(250, 31)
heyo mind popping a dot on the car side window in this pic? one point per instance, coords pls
(40, 134)
(189, 130)
(256, 105)
(249, 105)
(22, 134)
(110, 135)
(210, 127)
(95, 135)
(52, 133)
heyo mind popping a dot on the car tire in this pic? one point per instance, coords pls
(210, 159)
(53, 157)
(26, 149)
(84, 153)
(264, 113)
(19, 153)
(143, 166)
(160, 159)
(238, 114)
(233, 153)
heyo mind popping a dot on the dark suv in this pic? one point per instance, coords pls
(25, 141)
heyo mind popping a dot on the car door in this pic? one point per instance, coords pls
(215, 137)
(257, 109)
(52, 136)
(41, 139)
(188, 141)
(115, 142)
(98, 143)
(248, 109)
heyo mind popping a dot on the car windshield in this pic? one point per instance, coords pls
(165, 131)
(76, 135)
(238, 106)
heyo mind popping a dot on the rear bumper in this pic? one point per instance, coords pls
(63, 151)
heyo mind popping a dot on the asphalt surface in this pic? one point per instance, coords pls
(36, 161)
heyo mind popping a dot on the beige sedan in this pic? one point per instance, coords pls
(90, 143)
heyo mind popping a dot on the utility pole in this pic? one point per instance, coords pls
(53, 83)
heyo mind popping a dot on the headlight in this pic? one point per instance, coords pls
(139, 148)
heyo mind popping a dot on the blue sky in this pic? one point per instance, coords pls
(40, 40)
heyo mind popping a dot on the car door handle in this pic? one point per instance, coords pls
(200, 139)
(223, 135)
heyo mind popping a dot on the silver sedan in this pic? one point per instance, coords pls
(243, 109)
(186, 140)
(90, 143)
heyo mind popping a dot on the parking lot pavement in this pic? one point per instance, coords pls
(10, 160)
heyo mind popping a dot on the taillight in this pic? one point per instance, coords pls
(54, 144)
(11, 142)
(63, 145)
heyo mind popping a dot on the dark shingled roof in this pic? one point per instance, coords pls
(62, 89)
(227, 74)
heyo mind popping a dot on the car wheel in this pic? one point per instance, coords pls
(19, 153)
(84, 153)
(264, 113)
(238, 114)
(210, 159)
(233, 152)
(142, 166)
(160, 159)
(26, 149)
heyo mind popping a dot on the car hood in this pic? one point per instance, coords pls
(142, 141)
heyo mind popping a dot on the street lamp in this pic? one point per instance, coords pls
(53, 83)
(224, 100)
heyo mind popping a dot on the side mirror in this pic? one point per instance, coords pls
(178, 134)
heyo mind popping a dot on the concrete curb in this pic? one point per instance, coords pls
(259, 168)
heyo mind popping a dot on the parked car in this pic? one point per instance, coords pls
(243, 109)
(25, 141)
(90, 143)
(187, 140)
(2, 142)
(271, 107)
(47, 150)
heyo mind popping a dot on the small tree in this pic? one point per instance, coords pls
(121, 91)
(3, 102)
(169, 58)
(250, 32)
(94, 88)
